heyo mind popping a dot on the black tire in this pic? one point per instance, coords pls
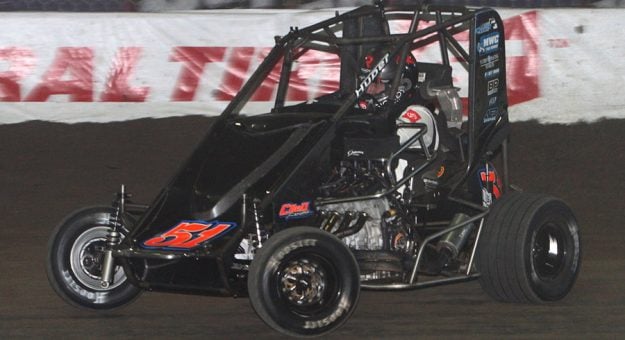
(74, 252)
(530, 249)
(316, 260)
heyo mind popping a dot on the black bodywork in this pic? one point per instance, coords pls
(256, 174)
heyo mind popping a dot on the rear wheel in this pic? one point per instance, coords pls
(530, 249)
(75, 258)
(304, 282)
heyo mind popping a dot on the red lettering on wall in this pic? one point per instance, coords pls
(21, 63)
(301, 72)
(236, 72)
(314, 65)
(522, 71)
(71, 73)
(194, 60)
(305, 69)
(117, 87)
(266, 90)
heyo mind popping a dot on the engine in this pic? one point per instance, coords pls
(374, 223)
(377, 230)
(355, 178)
(370, 236)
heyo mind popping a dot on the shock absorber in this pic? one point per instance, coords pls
(112, 239)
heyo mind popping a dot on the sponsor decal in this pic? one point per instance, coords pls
(491, 115)
(490, 184)
(355, 153)
(295, 210)
(488, 43)
(489, 62)
(421, 77)
(490, 74)
(440, 172)
(411, 116)
(483, 28)
(487, 26)
(492, 101)
(372, 75)
(189, 234)
(492, 87)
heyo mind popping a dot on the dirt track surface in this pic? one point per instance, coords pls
(49, 170)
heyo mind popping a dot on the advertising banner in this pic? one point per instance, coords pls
(102, 67)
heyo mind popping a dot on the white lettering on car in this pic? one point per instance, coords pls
(372, 75)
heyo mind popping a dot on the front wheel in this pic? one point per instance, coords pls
(530, 250)
(304, 282)
(74, 263)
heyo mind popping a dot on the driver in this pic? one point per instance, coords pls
(401, 104)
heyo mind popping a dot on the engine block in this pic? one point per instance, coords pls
(370, 236)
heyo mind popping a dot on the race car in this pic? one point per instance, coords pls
(385, 179)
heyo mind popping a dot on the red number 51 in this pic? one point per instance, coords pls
(187, 235)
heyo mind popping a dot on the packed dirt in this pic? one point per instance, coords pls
(48, 170)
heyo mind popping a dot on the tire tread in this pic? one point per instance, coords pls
(502, 253)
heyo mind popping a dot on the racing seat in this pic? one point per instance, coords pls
(439, 158)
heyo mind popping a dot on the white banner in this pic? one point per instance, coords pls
(581, 67)
(563, 65)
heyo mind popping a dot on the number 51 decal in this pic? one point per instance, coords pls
(189, 234)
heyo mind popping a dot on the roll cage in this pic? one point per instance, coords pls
(351, 34)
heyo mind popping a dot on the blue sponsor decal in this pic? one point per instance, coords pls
(483, 28)
(486, 27)
(488, 43)
(491, 115)
(492, 101)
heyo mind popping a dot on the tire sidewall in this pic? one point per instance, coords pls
(59, 270)
(558, 216)
(288, 245)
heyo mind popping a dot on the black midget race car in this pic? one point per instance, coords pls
(385, 179)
